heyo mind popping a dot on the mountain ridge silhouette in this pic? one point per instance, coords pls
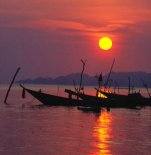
(116, 78)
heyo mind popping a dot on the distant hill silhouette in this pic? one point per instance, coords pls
(120, 78)
(62, 80)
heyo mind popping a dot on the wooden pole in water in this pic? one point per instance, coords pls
(11, 85)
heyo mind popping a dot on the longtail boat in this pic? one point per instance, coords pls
(90, 98)
(113, 100)
(52, 100)
(130, 100)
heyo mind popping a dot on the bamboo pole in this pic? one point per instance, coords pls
(11, 85)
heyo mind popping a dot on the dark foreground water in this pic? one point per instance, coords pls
(26, 129)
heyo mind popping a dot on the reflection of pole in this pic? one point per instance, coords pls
(107, 81)
(11, 85)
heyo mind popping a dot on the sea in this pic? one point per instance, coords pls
(29, 128)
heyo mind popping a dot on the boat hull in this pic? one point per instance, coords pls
(52, 100)
(130, 100)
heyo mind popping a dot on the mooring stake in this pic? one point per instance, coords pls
(11, 85)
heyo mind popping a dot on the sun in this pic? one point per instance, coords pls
(105, 43)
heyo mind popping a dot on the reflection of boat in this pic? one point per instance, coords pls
(130, 100)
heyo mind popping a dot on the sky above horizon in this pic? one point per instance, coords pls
(47, 38)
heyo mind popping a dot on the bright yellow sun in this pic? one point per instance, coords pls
(105, 43)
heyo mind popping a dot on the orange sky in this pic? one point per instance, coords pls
(53, 35)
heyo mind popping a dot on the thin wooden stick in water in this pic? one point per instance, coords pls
(11, 85)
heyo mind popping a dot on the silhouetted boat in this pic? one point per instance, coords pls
(52, 100)
(89, 98)
(130, 100)
(114, 100)
(86, 101)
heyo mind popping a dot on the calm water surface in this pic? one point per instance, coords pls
(27, 129)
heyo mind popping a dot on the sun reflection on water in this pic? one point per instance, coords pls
(102, 133)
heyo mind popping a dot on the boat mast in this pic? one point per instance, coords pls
(145, 85)
(129, 85)
(107, 81)
(81, 77)
(99, 79)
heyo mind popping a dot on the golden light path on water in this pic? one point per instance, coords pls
(102, 132)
